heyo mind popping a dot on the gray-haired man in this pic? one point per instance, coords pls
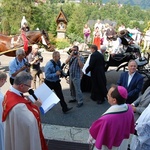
(22, 117)
(17, 64)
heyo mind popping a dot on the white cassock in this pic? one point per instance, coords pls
(21, 130)
(142, 141)
(1, 124)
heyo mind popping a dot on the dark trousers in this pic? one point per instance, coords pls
(56, 86)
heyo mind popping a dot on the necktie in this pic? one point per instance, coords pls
(22, 95)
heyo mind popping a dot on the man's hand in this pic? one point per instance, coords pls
(58, 73)
(23, 68)
(133, 108)
(38, 103)
(72, 53)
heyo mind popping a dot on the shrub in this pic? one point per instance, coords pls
(61, 44)
(73, 37)
(52, 39)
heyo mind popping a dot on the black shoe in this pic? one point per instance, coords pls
(79, 105)
(66, 110)
(72, 101)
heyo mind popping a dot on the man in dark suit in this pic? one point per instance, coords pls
(98, 78)
(132, 81)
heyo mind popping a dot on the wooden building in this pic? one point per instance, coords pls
(61, 21)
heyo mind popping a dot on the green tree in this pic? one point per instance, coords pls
(77, 22)
(43, 15)
(53, 27)
(13, 10)
(5, 26)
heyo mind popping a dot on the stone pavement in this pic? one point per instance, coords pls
(65, 133)
(73, 126)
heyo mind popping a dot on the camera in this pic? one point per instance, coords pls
(63, 74)
(27, 64)
(75, 53)
(39, 56)
(70, 51)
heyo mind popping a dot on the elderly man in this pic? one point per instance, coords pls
(17, 64)
(21, 117)
(132, 81)
(35, 58)
(52, 79)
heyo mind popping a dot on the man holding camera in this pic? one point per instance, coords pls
(76, 63)
(35, 58)
(53, 73)
(17, 64)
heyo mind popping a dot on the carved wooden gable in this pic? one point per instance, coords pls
(61, 21)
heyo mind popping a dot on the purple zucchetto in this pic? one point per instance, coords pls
(123, 92)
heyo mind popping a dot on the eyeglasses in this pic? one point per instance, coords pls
(27, 85)
(22, 54)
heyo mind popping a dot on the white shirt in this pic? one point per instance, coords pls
(130, 76)
(12, 89)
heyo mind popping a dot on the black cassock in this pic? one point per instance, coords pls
(98, 78)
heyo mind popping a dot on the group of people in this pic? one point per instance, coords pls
(123, 97)
(112, 130)
(102, 34)
(21, 117)
(128, 113)
(113, 39)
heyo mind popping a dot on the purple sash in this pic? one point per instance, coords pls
(86, 34)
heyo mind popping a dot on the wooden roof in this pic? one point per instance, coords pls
(61, 17)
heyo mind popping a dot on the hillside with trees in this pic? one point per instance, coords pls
(144, 4)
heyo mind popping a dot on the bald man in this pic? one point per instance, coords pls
(132, 81)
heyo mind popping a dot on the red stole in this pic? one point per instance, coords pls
(11, 99)
(25, 41)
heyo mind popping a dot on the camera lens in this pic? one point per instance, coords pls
(75, 53)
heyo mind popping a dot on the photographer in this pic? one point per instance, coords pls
(17, 64)
(35, 58)
(52, 79)
(76, 63)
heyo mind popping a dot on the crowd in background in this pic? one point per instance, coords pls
(108, 35)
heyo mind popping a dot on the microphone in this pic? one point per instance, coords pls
(31, 92)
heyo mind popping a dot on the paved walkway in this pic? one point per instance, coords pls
(65, 133)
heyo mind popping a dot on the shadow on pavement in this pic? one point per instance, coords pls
(79, 117)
